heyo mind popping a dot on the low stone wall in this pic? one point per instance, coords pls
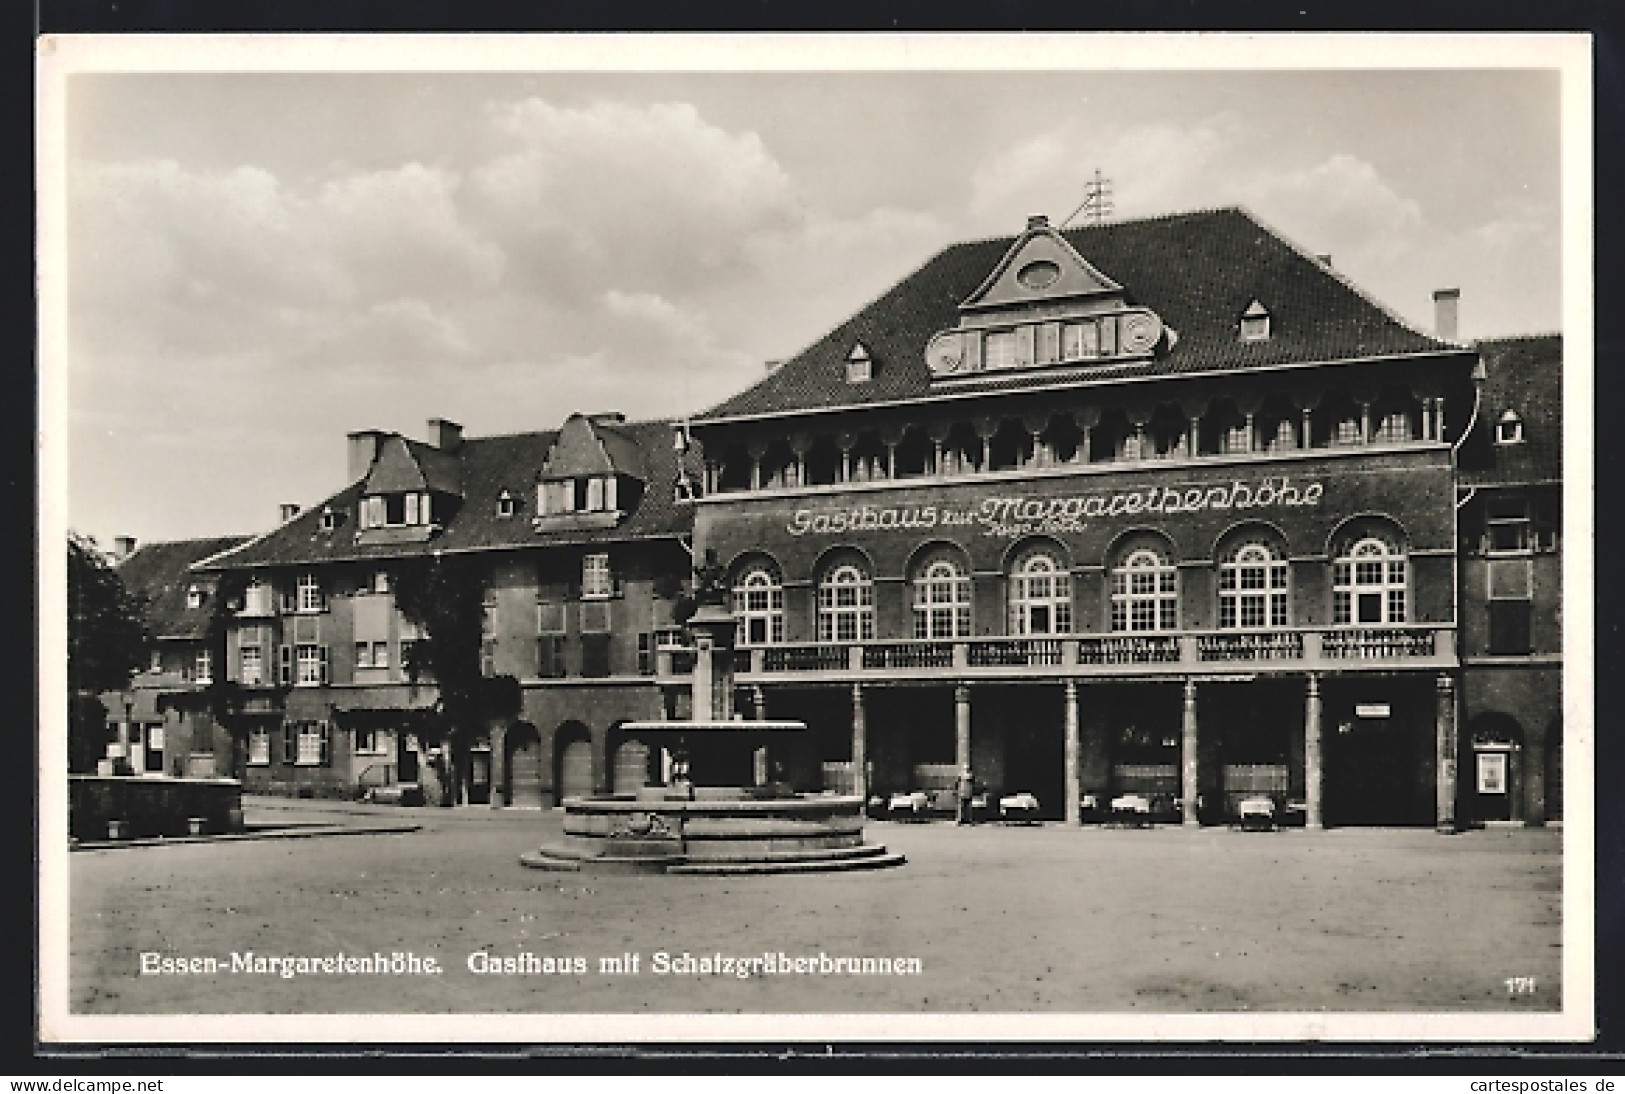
(151, 806)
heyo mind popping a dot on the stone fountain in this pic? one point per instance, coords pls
(695, 823)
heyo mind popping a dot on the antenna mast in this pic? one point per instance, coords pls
(1097, 201)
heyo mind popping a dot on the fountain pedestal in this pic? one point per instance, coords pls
(692, 827)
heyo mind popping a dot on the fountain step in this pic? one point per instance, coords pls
(799, 865)
(766, 854)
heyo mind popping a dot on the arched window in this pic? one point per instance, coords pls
(1040, 596)
(758, 607)
(1347, 433)
(942, 601)
(1368, 584)
(1253, 588)
(1145, 593)
(846, 605)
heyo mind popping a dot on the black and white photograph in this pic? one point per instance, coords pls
(631, 538)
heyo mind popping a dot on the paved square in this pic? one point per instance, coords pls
(1001, 919)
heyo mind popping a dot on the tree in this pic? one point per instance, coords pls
(445, 597)
(107, 641)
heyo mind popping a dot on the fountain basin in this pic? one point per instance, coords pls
(720, 830)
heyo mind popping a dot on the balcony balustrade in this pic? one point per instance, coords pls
(1327, 649)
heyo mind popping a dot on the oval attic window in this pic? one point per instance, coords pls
(1038, 275)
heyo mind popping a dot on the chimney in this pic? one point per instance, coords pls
(445, 434)
(1036, 222)
(1446, 312)
(772, 366)
(362, 450)
(288, 510)
(607, 417)
(123, 547)
(1324, 260)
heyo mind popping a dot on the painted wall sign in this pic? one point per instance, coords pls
(1371, 710)
(1012, 516)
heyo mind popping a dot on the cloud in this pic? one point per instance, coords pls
(1152, 168)
(643, 198)
(1342, 205)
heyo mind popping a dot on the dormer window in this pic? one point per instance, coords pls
(195, 597)
(1509, 430)
(859, 368)
(587, 494)
(1255, 323)
(395, 510)
(330, 519)
(507, 504)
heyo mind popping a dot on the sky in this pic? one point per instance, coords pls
(260, 263)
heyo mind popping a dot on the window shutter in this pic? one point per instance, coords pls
(327, 744)
(324, 676)
(290, 742)
(595, 494)
(288, 597)
(285, 665)
(645, 661)
(609, 493)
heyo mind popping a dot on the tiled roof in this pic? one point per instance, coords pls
(487, 466)
(1198, 271)
(1524, 375)
(160, 573)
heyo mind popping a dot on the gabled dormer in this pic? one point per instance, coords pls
(411, 489)
(1042, 306)
(593, 475)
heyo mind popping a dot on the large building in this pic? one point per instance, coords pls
(165, 723)
(578, 536)
(1511, 594)
(1165, 508)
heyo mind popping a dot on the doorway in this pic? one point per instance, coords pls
(527, 787)
(573, 750)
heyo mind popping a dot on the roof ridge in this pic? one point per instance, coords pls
(915, 271)
(1502, 339)
(187, 541)
(1149, 218)
(1310, 257)
(252, 540)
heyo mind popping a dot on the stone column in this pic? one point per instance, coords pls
(1308, 435)
(700, 685)
(936, 457)
(1445, 757)
(755, 473)
(499, 765)
(1187, 757)
(962, 727)
(1365, 423)
(860, 746)
(1252, 435)
(1074, 801)
(1313, 815)
(891, 461)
